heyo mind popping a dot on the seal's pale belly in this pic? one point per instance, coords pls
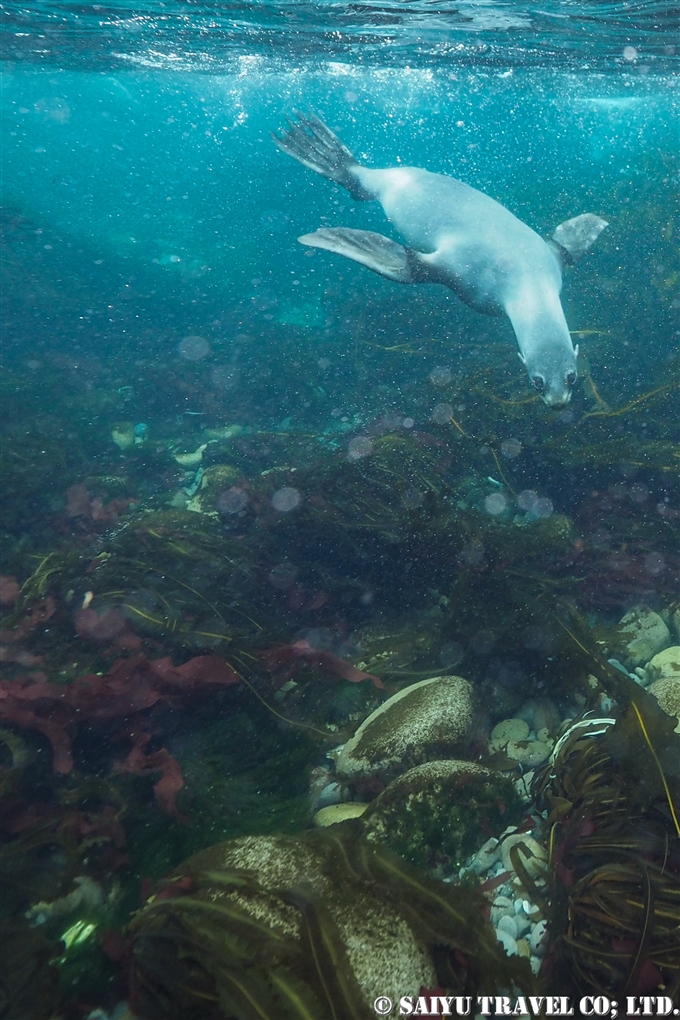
(478, 247)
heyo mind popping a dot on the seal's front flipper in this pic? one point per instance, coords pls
(372, 250)
(572, 239)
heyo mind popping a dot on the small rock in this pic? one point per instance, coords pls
(523, 948)
(532, 855)
(665, 664)
(331, 794)
(522, 923)
(547, 716)
(642, 633)
(537, 939)
(505, 902)
(507, 941)
(507, 923)
(535, 964)
(123, 435)
(501, 907)
(433, 719)
(641, 676)
(506, 731)
(528, 752)
(338, 813)
(485, 856)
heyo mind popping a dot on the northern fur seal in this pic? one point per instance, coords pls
(463, 239)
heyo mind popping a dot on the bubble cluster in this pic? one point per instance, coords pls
(527, 499)
(440, 376)
(451, 654)
(193, 348)
(511, 448)
(286, 499)
(542, 508)
(442, 414)
(359, 447)
(495, 504)
(232, 501)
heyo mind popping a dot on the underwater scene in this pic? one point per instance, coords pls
(340, 646)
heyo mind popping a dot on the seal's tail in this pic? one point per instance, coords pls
(314, 145)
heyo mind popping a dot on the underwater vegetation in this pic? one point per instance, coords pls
(213, 570)
(612, 795)
(309, 926)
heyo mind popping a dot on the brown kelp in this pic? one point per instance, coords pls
(612, 792)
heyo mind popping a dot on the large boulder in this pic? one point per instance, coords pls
(439, 813)
(429, 720)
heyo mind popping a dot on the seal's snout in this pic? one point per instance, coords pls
(554, 389)
(557, 400)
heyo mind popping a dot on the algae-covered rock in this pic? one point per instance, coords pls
(641, 633)
(315, 926)
(667, 693)
(439, 813)
(428, 720)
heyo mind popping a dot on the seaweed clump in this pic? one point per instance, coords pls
(612, 791)
(317, 925)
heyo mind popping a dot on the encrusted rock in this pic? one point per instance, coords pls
(667, 693)
(429, 720)
(641, 634)
(383, 952)
(437, 813)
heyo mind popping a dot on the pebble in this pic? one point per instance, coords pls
(507, 941)
(535, 964)
(531, 853)
(522, 923)
(538, 947)
(485, 856)
(507, 923)
(523, 948)
(331, 794)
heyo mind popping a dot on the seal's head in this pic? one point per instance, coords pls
(553, 378)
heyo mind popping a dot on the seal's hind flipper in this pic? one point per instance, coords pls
(574, 237)
(314, 145)
(372, 250)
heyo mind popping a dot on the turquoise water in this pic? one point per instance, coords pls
(219, 444)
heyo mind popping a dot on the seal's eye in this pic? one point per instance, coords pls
(539, 382)
(571, 378)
